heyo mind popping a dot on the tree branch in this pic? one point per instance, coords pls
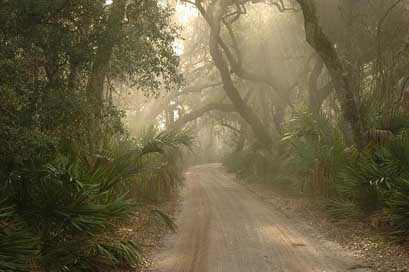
(235, 62)
(316, 37)
(223, 124)
(216, 12)
(200, 112)
(199, 88)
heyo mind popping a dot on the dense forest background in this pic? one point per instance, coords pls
(103, 101)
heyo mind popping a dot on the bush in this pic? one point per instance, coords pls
(259, 163)
(73, 204)
(18, 247)
(377, 181)
(359, 184)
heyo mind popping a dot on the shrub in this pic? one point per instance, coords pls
(18, 247)
(73, 204)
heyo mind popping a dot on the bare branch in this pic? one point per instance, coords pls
(231, 91)
(236, 63)
(225, 124)
(200, 112)
(199, 88)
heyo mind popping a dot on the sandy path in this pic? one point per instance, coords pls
(223, 227)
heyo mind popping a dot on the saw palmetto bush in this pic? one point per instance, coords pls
(314, 145)
(162, 170)
(355, 188)
(71, 206)
(350, 178)
(18, 247)
(395, 185)
(308, 140)
(358, 184)
(376, 182)
(362, 184)
(322, 162)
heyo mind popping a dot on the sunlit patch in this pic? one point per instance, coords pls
(269, 233)
(286, 243)
(276, 235)
(185, 12)
(178, 47)
(168, 262)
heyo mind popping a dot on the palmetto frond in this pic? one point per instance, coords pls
(74, 200)
(18, 246)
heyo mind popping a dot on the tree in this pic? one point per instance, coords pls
(214, 18)
(319, 41)
(60, 61)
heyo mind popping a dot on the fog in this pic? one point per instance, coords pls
(278, 70)
(242, 121)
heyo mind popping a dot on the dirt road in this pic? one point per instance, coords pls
(222, 227)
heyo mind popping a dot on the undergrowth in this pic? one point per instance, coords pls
(314, 158)
(61, 216)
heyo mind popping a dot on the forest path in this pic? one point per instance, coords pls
(223, 227)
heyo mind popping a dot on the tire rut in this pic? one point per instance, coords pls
(225, 228)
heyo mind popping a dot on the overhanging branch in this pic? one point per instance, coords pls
(235, 62)
(200, 112)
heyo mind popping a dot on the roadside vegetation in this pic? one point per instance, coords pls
(101, 102)
(71, 173)
(307, 95)
(313, 158)
(353, 155)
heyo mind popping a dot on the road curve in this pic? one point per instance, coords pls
(222, 227)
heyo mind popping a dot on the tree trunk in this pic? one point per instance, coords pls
(319, 41)
(100, 66)
(317, 95)
(262, 134)
(315, 105)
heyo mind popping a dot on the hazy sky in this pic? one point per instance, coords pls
(184, 12)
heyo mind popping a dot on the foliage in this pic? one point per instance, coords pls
(146, 57)
(60, 197)
(313, 142)
(48, 49)
(74, 203)
(17, 244)
(343, 122)
(163, 169)
(360, 184)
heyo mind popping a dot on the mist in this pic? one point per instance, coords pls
(204, 135)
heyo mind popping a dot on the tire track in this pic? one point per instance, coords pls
(225, 228)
